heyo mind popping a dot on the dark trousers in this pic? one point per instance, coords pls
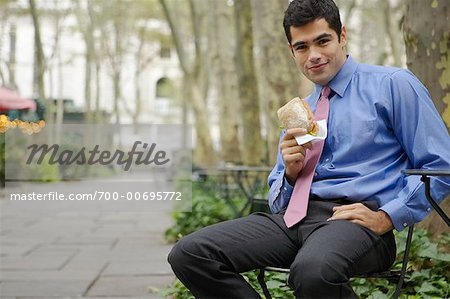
(322, 255)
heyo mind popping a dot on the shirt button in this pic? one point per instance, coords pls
(327, 160)
(429, 209)
(284, 188)
(405, 224)
(316, 174)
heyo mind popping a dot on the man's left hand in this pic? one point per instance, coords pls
(379, 222)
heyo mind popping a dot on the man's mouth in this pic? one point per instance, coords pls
(317, 67)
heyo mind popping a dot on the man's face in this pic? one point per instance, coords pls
(317, 51)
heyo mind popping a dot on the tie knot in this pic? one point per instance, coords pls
(325, 92)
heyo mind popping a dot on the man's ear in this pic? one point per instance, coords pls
(343, 36)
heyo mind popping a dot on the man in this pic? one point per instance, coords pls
(380, 121)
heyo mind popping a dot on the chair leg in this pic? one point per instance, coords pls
(262, 283)
(404, 263)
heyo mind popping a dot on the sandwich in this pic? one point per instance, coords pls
(297, 114)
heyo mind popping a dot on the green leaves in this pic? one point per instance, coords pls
(378, 295)
(430, 250)
(428, 264)
(206, 210)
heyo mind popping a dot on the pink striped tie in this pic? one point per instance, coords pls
(298, 203)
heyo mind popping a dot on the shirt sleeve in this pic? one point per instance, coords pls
(279, 189)
(425, 140)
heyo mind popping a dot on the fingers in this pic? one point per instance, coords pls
(288, 143)
(355, 211)
(308, 145)
(379, 222)
(348, 215)
(290, 147)
(295, 149)
(293, 154)
(291, 133)
(349, 207)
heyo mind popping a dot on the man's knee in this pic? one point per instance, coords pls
(177, 256)
(311, 273)
(188, 251)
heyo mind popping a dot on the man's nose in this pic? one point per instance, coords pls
(314, 55)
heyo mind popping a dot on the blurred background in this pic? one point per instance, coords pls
(222, 65)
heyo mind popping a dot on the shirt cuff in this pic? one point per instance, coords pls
(286, 188)
(399, 214)
(280, 194)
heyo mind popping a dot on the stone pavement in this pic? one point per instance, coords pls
(48, 250)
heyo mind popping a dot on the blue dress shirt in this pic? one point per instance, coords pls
(381, 121)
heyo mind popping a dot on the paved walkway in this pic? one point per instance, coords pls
(52, 251)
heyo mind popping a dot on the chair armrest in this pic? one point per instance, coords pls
(427, 172)
(426, 179)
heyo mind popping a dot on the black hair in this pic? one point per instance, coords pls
(301, 12)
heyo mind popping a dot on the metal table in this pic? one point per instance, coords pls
(237, 180)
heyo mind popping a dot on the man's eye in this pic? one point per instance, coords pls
(300, 48)
(323, 41)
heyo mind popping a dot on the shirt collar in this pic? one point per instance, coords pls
(342, 79)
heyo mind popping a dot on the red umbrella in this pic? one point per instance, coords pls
(10, 100)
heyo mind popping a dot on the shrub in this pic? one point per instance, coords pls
(206, 210)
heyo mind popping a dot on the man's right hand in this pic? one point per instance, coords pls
(293, 154)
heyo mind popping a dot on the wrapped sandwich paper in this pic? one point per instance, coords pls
(321, 134)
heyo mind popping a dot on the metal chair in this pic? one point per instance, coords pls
(397, 276)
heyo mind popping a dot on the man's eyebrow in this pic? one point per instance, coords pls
(323, 35)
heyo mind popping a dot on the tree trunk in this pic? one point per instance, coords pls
(55, 59)
(117, 91)
(137, 92)
(281, 79)
(347, 7)
(86, 28)
(204, 153)
(87, 31)
(221, 51)
(98, 113)
(137, 79)
(427, 38)
(391, 31)
(87, 82)
(40, 62)
(12, 56)
(4, 14)
(95, 62)
(59, 115)
(247, 84)
(142, 62)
